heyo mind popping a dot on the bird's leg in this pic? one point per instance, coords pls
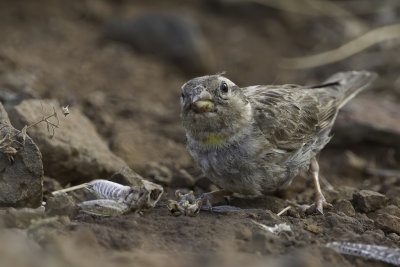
(325, 184)
(320, 201)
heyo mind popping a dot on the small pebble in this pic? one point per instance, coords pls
(368, 201)
(344, 206)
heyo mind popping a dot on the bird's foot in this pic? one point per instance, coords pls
(318, 206)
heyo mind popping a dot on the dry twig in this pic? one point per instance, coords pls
(318, 8)
(283, 211)
(8, 142)
(355, 46)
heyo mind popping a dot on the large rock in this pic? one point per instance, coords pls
(21, 174)
(139, 146)
(4, 115)
(368, 119)
(172, 37)
(76, 153)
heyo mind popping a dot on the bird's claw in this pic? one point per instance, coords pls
(318, 206)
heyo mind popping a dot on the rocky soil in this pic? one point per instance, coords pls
(119, 66)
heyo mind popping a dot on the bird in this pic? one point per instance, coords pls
(255, 140)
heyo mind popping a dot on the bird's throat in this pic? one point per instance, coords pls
(213, 139)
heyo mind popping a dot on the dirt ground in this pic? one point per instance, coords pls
(133, 99)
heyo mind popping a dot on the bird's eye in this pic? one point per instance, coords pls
(183, 95)
(224, 87)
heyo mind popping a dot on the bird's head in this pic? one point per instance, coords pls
(213, 108)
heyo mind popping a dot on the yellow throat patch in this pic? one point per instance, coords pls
(212, 139)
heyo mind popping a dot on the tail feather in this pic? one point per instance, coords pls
(350, 84)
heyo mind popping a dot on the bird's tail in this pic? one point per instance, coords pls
(350, 84)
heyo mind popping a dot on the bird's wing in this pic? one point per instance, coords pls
(290, 116)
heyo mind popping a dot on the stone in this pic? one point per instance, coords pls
(183, 179)
(50, 185)
(263, 242)
(22, 218)
(127, 176)
(368, 201)
(366, 119)
(21, 173)
(391, 209)
(76, 153)
(346, 192)
(344, 206)
(61, 204)
(159, 173)
(314, 229)
(395, 237)
(172, 37)
(140, 145)
(387, 222)
(95, 108)
(340, 192)
(4, 119)
(244, 234)
(343, 223)
(393, 193)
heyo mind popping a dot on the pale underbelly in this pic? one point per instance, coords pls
(245, 176)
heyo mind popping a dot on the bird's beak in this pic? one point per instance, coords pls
(202, 101)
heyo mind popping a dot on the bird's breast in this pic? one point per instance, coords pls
(231, 166)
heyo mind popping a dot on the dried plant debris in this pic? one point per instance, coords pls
(368, 39)
(187, 204)
(381, 253)
(283, 211)
(276, 229)
(51, 125)
(155, 191)
(65, 110)
(115, 199)
(11, 144)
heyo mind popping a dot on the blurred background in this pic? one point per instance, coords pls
(122, 63)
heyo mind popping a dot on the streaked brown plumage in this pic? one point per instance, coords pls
(256, 139)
